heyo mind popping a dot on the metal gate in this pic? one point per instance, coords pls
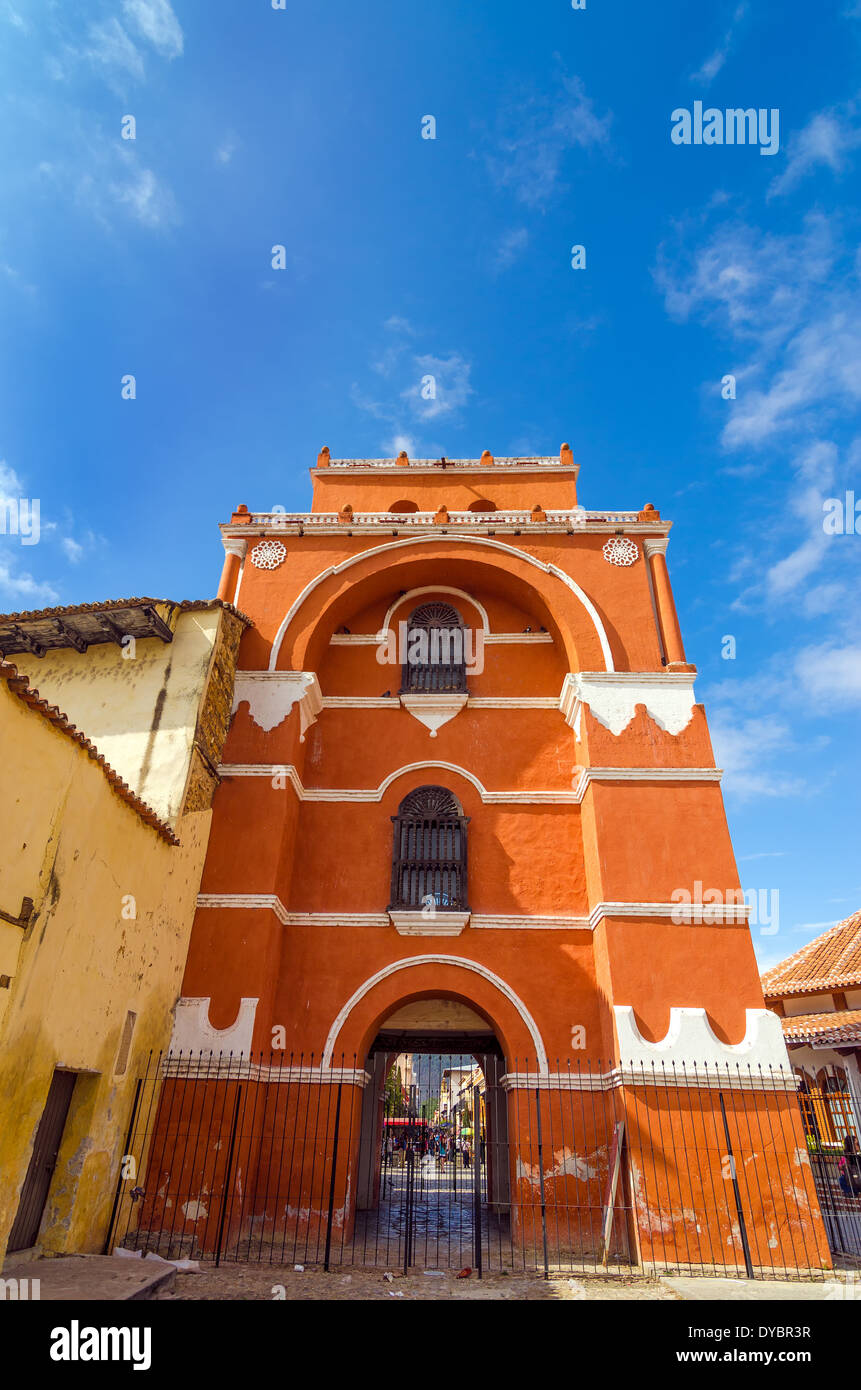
(431, 1206)
(46, 1147)
(421, 1160)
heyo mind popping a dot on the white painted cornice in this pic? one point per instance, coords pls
(286, 772)
(679, 913)
(642, 774)
(375, 639)
(703, 1078)
(206, 1064)
(473, 702)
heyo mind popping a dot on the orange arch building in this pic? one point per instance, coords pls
(514, 823)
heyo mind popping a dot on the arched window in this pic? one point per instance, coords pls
(404, 506)
(429, 852)
(435, 657)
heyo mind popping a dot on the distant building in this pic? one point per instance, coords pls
(817, 994)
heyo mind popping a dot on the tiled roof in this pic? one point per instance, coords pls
(830, 961)
(823, 1030)
(28, 696)
(186, 605)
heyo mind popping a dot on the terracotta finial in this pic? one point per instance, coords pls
(538, 513)
(323, 457)
(403, 459)
(566, 458)
(346, 513)
(649, 513)
(486, 458)
(441, 518)
(242, 514)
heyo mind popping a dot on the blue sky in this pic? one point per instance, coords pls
(404, 256)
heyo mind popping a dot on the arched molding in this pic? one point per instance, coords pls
(433, 589)
(459, 962)
(484, 541)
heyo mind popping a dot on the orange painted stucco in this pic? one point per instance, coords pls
(545, 840)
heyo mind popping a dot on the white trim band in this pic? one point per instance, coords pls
(689, 914)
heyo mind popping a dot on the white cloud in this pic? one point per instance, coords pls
(393, 446)
(11, 486)
(418, 386)
(830, 675)
(537, 132)
(451, 386)
(74, 551)
(145, 198)
(156, 21)
(742, 748)
(754, 285)
(510, 245)
(227, 149)
(709, 70)
(112, 49)
(18, 586)
(827, 139)
(12, 17)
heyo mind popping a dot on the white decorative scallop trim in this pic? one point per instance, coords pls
(463, 964)
(690, 1041)
(613, 697)
(271, 696)
(512, 550)
(193, 1033)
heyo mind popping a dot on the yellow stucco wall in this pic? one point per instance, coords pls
(70, 843)
(140, 711)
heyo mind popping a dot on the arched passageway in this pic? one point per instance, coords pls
(433, 1171)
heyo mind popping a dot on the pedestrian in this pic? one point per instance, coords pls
(850, 1168)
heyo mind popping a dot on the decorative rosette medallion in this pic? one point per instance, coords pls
(619, 550)
(268, 555)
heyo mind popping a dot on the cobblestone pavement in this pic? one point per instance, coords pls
(273, 1282)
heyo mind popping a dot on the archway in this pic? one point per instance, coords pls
(433, 1183)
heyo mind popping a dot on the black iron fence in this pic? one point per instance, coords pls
(578, 1167)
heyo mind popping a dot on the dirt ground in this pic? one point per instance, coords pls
(272, 1282)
